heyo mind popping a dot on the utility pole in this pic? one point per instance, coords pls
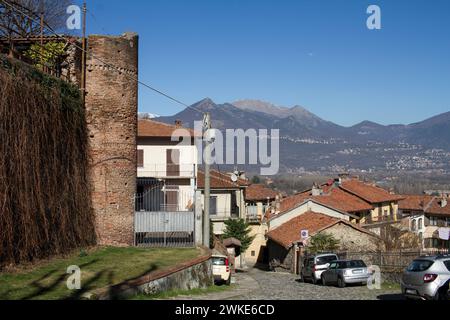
(41, 5)
(207, 191)
(83, 58)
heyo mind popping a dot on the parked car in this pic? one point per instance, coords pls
(343, 272)
(314, 265)
(427, 278)
(221, 269)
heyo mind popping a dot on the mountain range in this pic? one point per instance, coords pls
(310, 143)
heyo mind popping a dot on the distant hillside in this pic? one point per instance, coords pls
(314, 144)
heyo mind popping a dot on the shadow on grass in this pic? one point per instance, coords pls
(115, 290)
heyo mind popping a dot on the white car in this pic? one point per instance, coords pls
(221, 269)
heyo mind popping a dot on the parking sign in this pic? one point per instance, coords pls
(304, 234)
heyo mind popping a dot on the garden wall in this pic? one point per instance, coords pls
(45, 194)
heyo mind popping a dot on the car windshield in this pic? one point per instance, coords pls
(218, 261)
(354, 264)
(420, 265)
(326, 259)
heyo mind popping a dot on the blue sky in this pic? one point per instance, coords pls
(318, 54)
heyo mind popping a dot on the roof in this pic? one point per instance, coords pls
(220, 180)
(232, 242)
(151, 128)
(335, 198)
(259, 192)
(289, 233)
(368, 192)
(414, 202)
(426, 203)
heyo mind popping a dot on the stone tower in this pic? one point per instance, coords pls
(111, 108)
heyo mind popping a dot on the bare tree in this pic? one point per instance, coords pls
(21, 18)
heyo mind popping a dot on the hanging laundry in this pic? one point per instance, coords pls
(444, 233)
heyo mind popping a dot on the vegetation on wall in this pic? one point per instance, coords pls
(323, 242)
(45, 201)
(49, 55)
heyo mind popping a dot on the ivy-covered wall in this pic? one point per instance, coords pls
(45, 196)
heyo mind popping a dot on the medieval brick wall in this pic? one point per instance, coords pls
(111, 105)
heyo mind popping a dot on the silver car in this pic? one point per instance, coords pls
(427, 278)
(313, 266)
(343, 272)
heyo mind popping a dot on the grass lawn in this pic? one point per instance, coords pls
(176, 293)
(99, 268)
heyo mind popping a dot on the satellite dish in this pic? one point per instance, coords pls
(234, 177)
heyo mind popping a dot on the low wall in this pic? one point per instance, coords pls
(189, 275)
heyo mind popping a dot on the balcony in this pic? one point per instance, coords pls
(165, 171)
(383, 219)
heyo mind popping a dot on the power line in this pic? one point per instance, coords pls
(102, 61)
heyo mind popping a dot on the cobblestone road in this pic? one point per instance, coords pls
(261, 285)
(281, 286)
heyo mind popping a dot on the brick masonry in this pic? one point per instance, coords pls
(111, 107)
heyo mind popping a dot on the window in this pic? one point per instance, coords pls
(413, 225)
(253, 253)
(213, 206)
(447, 264)
(448, 222)
(326, 259)
(420, 265)
(140, 158)
(173, 162)
(433, 221)
(219, 261)
(420, 224)
(333, 265)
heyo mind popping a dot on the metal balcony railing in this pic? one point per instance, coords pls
(152, 170)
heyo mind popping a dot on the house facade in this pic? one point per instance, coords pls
(227, 199)
(258, 200)
(428, 217)
(166, 168)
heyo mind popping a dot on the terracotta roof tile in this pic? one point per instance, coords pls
(426, 203)
(289, 232)
(414, 202)
(151, 128)
(314, 222)
(368, 192)
(220, 181)
(258, 192)
(335, 198)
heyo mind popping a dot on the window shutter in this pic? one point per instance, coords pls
(140, 158)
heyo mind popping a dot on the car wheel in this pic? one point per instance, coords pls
(228, 282)
(324, 282)
(443, 293)
(314, 280)
(341, 283)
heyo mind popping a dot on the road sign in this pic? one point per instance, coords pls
(304, 234)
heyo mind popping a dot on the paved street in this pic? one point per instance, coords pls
(261, 285)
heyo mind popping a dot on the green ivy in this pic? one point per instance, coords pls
(70, 94)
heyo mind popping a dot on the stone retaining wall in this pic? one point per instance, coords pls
(189, 275)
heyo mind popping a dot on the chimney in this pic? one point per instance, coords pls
(316, 190)
(338, 182)
(344, 176)
(178, 123)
